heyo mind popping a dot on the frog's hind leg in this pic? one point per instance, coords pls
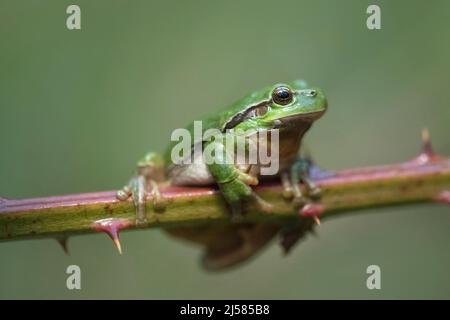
(303, 170)
(150, 171)
(300, 171)
(291, 189)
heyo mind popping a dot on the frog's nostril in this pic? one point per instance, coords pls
(309, 93)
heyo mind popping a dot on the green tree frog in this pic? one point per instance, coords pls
(288, 108)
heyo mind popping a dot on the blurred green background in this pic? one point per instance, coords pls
(78, 108)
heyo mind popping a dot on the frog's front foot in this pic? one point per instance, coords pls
(139, 188)
(238, 190)
(136, 189)
(250, 180)
(262, 204)
(150, 170)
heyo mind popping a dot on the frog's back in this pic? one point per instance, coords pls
(219, 119)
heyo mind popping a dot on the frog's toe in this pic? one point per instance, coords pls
(136, 189)
(123, 194)
(262, 204)
(315, 193)
(248, 179)
(288, 190)
(298, 198)
(139, 194)
(159, 204)
(287, 194)
(299, 201)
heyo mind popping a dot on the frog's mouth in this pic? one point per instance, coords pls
(298, 119)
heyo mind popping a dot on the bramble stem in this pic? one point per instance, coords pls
(424, 179)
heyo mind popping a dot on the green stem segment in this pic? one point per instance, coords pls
(424, 179)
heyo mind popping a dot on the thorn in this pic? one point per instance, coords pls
(316, 220)
(63, 243)
(312, 210)
(112, 227)
(425, 135)
(117, 244)
(427, 148)
(427, 153)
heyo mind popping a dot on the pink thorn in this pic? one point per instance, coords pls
(444, 197)
(312, 210)
(427, 155)
(112, 227)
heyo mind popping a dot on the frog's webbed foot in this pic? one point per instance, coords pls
(300, 172)
(291, 180)
(262, 204)
(291, 190)
(137, 189)
(143, 184)
(158, 201)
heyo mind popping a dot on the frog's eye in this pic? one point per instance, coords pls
(282, 95)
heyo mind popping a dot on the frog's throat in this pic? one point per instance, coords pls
(298, 120)
(305, 117)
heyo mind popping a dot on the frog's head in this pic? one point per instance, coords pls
(280, 106)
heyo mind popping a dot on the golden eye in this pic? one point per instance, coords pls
(282, 95)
